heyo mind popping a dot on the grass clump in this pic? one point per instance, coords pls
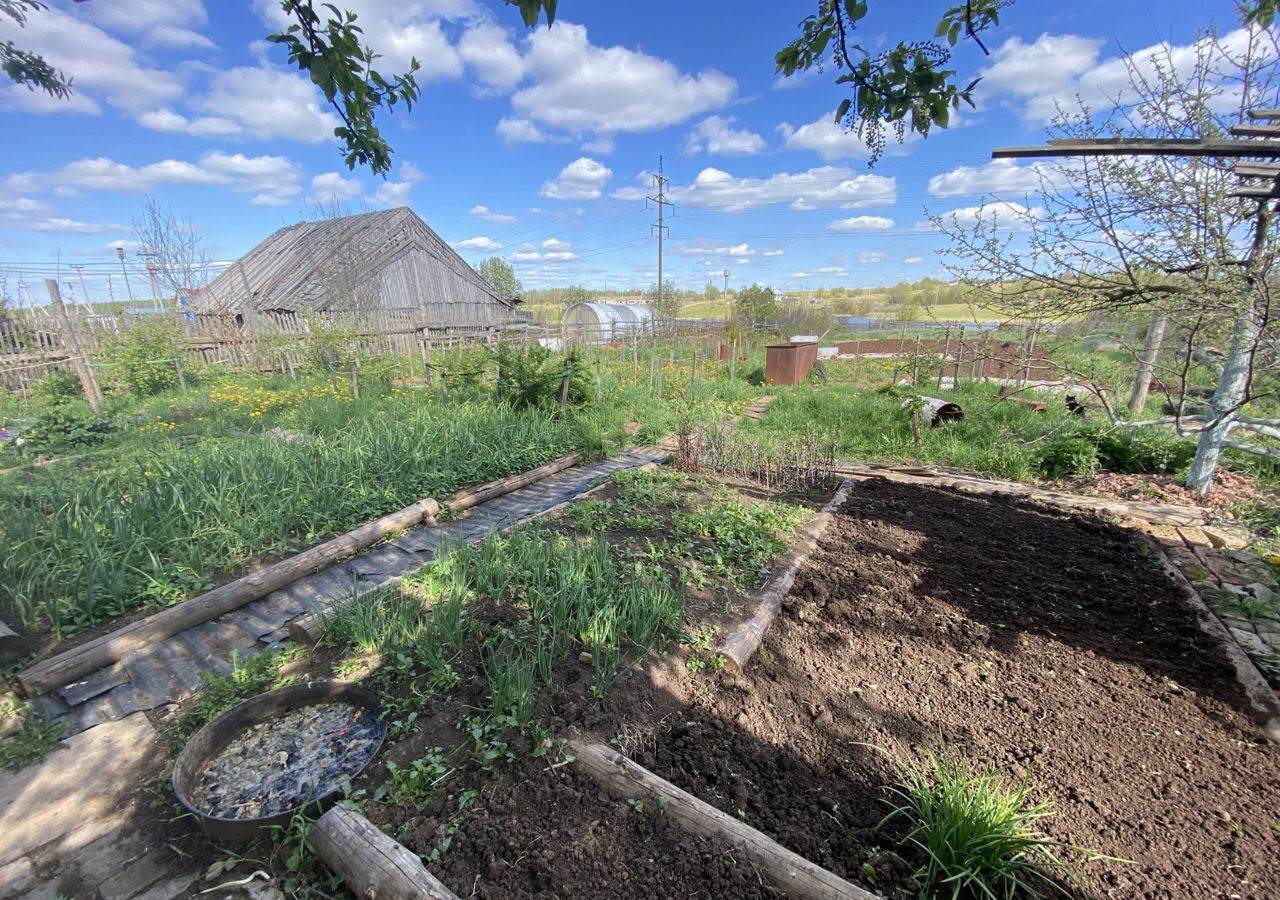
(979, 834)
(30, 740)
(251, 674)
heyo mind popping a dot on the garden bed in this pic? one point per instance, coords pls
(1010, 636)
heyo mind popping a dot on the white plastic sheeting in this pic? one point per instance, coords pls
(597, 323)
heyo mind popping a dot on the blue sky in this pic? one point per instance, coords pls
(536, 146)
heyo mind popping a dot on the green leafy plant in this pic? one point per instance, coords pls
(250, 674)
(61, 427)
(142, 359)
(414, 785)
(979, 834)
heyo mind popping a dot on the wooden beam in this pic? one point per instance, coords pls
(1258, 193)
(791, 873)
(1255, 131)
(1257, 170)
(1125, 147)
(1266, 114)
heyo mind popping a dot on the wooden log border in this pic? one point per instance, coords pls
(308, 628)
(370, 862)
(791, 873)
(741, 643)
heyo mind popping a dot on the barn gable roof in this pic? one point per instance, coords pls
(296, 268)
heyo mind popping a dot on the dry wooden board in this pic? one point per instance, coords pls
(742, 642)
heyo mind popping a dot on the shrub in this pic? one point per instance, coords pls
(63, 426)
(143, 357)
(532, 376)
(1067, 455)
(57, 387)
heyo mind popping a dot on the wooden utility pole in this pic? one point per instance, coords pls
(87, 381)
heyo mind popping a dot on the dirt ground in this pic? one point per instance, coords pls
(1022, 638)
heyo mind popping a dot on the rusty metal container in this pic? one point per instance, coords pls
(210, 740)
(789, 363)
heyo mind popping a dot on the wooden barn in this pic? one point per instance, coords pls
(383, 269)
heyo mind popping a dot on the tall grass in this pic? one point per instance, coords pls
(85, 547)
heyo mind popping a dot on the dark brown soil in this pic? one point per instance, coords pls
(555, 834)
(1022, 638)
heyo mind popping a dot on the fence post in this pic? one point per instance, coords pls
(564, 385)
(87, 381)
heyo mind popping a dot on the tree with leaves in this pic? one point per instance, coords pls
(1155, 234)
(498, 272)
(664, 300)
(757, 308)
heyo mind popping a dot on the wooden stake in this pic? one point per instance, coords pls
(791, 873)
(371, 863)
(564, 386)
(72, 345)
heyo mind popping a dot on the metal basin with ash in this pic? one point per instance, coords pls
(260, 762)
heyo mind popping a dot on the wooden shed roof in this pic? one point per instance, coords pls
(295, 267)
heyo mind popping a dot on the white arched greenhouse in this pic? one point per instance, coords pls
(598, 323)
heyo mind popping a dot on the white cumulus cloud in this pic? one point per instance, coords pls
(582, 179)
(716, 134)
(861, 223)
(480, 243)
(483, 212)
(821, 186)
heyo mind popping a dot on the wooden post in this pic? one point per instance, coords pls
(915, 362)
(946, 351)
(733, 360)
(564, 385)
(1147, 362)
(370, 862)
(72, 345)
(426, 360)
(959, 360)
(599, 382)
(355, 379)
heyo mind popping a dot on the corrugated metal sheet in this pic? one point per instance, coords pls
(382, 260)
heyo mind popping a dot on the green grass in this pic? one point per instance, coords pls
(979, 834)
(250, 674)
(154, 526)
(30, 741)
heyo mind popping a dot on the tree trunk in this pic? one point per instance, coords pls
(1224, 407)
(1147, 362)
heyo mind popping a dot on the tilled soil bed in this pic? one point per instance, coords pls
(1021, 638)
